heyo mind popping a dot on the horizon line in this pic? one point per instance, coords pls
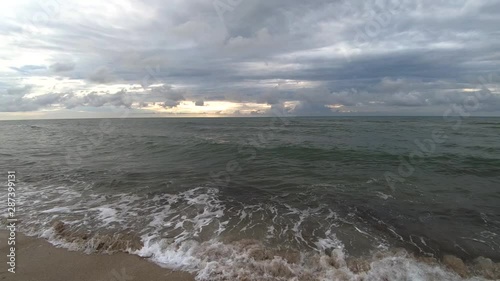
(220, 117)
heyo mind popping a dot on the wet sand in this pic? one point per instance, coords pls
(36, 259)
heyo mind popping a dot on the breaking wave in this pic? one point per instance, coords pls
(216, 238)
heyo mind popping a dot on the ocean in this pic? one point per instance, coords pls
(278, 198)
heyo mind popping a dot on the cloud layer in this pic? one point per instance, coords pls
(242, 57)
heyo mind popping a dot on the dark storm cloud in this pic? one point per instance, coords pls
(66, 100)
(363, 56)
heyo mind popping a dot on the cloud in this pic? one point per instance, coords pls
(62, 66)
(102, 75)
(28, 69)
(170, 104)
(309, 58)
(406, 99)
(311, 109)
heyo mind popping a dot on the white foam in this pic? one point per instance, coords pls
(213, 260)
(181, 231)
(329, 242)
(171, 256)
(383, 195)
(107, 215)
(404, 268)
(57, 210)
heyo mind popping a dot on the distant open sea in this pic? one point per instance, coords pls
(333, 198)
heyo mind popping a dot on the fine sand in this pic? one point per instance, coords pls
(37, 260)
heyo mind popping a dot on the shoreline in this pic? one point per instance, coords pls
(37, 259)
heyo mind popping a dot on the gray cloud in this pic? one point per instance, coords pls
(62, 66)
(102, 75)
(324, 56)
(29, 69)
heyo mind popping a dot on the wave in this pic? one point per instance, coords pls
(204, 231)
(249, 259)
(60, 235)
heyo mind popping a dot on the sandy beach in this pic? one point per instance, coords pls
(36, 259)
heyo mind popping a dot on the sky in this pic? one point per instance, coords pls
(182, 58)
